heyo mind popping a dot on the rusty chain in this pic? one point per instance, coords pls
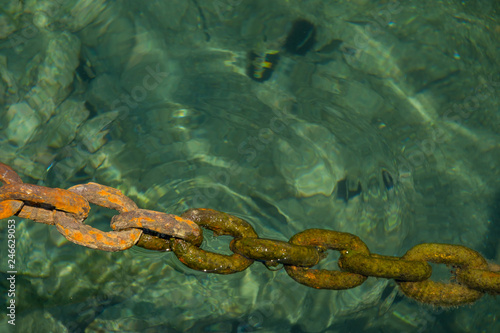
(68, 209)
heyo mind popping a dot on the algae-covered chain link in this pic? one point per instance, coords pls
(67, 210)
(467, 262)
(221, 224)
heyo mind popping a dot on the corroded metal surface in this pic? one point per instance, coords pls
(220, 223)
(60, 199)
(166, 224)
(8, 175)
(9, 208)
(37, 214)
(83, 234)
(104, 196)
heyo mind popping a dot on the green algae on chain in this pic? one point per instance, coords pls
(384, 266)
(221, 224)
(153, 242)
(478, 279)
(276, 251)
(208, 262)
(449, 254)
(328, 239)
(438, 293)
(332, 240)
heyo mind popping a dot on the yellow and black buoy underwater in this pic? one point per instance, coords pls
(299, 41)
(261, 67)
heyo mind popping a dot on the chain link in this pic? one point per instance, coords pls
(68, 209)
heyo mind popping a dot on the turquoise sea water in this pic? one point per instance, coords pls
(377, 118)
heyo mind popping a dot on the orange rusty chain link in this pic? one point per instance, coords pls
(68, 209)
